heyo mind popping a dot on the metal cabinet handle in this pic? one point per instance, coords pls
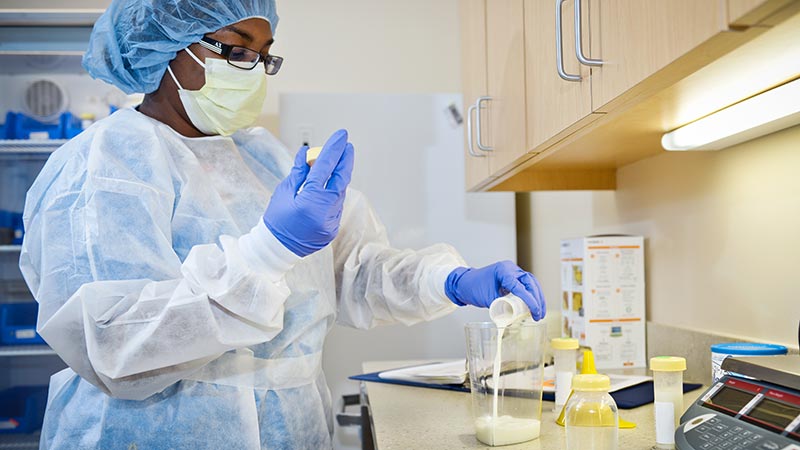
(363, 419)
(478, 103)
(579, 42)
(470, 144)
(559, 47)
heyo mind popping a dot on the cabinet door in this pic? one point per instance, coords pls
(505, 64)
(473, 79)
(745, 13)
(553, 103)
(636, 38)
(739, 8)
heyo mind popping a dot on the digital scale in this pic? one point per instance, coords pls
(755, 407)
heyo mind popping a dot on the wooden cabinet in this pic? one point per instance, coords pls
(505, 63)
(630, 52)
(473, 80)
(623, 42)
(553, 103)
(494, 86)
(744, 13)
(737, 9)
(635, 39)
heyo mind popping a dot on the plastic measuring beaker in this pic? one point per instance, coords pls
(506, 373)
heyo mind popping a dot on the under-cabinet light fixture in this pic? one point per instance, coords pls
(765, 113)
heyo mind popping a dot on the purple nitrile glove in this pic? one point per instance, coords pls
(308, 220)
(480, 287)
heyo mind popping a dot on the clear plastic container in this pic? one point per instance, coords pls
(506, 373)
(591, 419)
(721, 351)
(565, 354)
(668, 393)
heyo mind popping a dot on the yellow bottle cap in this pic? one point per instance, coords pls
(312, 154)
(87, 116)
(668, 364)
(591, 382)
(564, 344)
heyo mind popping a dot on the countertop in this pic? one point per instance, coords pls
(417, 418)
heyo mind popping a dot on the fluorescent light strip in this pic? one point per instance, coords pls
(762, 114)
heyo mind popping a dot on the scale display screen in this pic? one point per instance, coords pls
(759, 409)
(730, 400)
(777, 414)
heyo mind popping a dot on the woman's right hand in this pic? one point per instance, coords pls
(306, 207)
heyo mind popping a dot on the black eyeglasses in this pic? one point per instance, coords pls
(243, 57)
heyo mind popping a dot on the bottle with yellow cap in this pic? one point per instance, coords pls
(565, 354)
(312, 154)
(591, 415)
(668, 393)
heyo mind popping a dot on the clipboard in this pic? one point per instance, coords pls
(627, 398)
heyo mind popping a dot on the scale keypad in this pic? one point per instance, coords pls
(742, 414)
(716, 434)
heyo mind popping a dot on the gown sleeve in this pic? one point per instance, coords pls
(377, 284)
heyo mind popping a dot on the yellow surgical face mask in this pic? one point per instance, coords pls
(230, 99)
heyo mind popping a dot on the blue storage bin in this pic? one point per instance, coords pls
(8, 126)
(22, 126)
(13, 227)
(70, 125)
(22, 409)
(6, 228)
(18, 324)
(18, 227)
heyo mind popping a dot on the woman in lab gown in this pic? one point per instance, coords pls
(186, 321)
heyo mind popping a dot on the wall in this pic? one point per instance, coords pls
(351, 46)
(722, 235)
(365, 46)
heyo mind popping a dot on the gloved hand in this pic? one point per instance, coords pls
(308, 220)
(480, 287)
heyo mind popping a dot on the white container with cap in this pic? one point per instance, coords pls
(721, 351)
(668, 387)
(565, 354)
(591, 419)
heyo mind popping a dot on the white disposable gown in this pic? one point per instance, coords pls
(184, 322)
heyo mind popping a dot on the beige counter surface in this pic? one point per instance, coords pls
(416, 418)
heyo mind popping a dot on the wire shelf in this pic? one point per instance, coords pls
(19, 441)
(26, 350)
(27, 146)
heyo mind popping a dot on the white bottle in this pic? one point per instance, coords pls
(565, 353)
(668, 387)
(87, 119)
(508, 310)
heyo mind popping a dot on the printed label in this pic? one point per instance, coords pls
(25, 334)
(9, 424)
(665, 423)
(563, 387)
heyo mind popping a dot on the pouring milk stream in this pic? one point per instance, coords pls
(502, 430)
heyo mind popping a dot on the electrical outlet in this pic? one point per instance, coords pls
(305, 134)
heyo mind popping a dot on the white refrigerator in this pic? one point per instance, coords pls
(410, 164)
